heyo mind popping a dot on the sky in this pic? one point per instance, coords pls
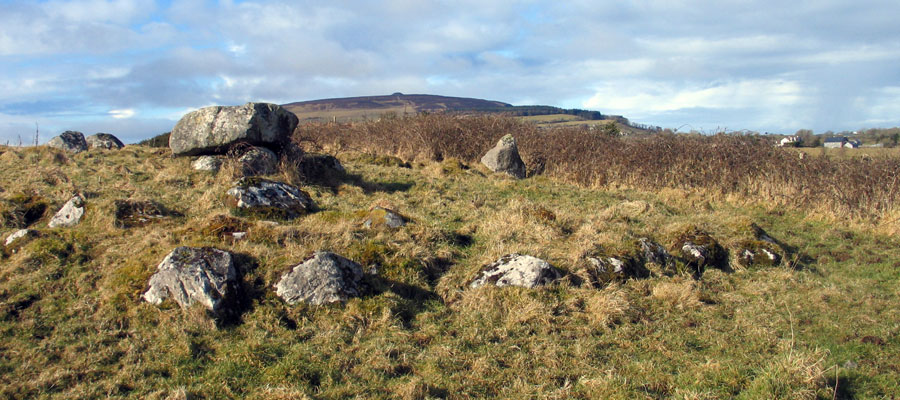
(134, 67)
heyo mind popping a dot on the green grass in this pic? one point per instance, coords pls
(72, 324)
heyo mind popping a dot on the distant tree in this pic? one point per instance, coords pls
(610, 129)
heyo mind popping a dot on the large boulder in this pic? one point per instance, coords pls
(104, 141)
(324, 278)
(212, 130)
(504, 157)
(70, 214)
(268, 199)
(517, 270)
(258, 161)
(191, 275)
(71, 141)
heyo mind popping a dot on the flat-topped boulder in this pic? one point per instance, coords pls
(104, 141)
(190, 275)
(504, 157)
(268, 199)
(323, 278)
(517, 270)
(212, 130)
(71, 141)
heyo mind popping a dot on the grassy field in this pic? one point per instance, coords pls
(864, 152)
(823, 324)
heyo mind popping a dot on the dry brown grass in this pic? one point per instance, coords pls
(719, 165)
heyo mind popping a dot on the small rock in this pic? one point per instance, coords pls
(20, 236)
(380, 216)
(504, 157)
(700, 250)
(267, 198)
(206, 163)
(103, 141)
(324, 278)
(70, 214)
(258, 161)
(757, 253)
(191, 275)
(607, 269)
(517, 270)
(71, 141)
(653, 252)
(849, 364)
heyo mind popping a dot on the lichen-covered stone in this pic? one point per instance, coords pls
(104, 141)
(70, 214)
(324, 278)
(207, 163)
(504, 157)
(265, 198)
(212, 130)
(258, 161)
(517, 270)
(71, 141)
(757, 253)
(654, 253)
(190, 275)
(700, 250)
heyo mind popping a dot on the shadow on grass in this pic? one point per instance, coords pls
(842, 386)
(240, 301)
(416, 299)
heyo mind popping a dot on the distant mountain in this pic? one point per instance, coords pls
(371, 107)
(355, 108)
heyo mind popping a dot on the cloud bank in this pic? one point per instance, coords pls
(132, 67)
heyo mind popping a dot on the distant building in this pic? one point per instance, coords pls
(840, 141)
(790, 141)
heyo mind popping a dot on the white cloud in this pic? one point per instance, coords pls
(122, 114)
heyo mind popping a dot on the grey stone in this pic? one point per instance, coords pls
(504, 157)
(617, 268)
(380, 216)
(20, 236)
(262, 197)
(700, 250)
(71, 141)
(70, 214)
(324, 278)
(258, 161)
(191, 275)
(206, 163)
(655, 253)
(104, 141)
(517, 270)
(212, 130)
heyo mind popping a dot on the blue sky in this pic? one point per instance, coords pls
(133, 67)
